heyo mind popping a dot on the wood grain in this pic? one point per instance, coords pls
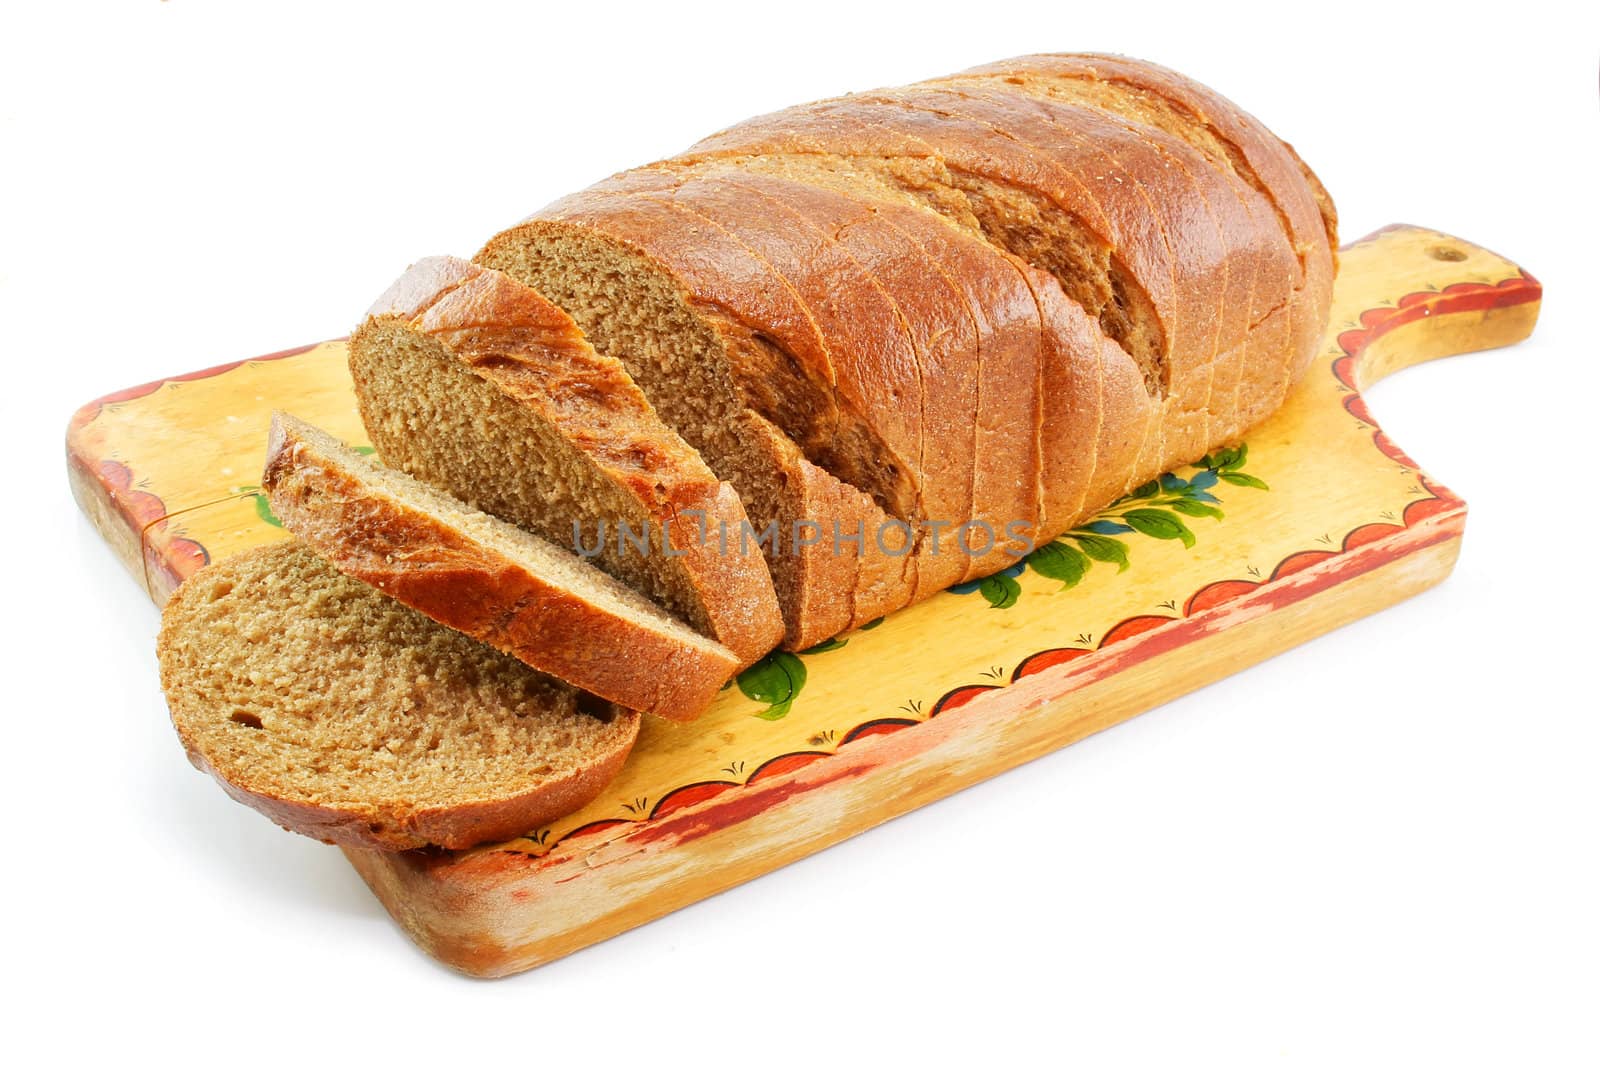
(1322, 520)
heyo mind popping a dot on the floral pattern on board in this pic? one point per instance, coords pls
(1156, 509)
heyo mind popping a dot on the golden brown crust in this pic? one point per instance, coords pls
(894, 125)
(1212, 243)
(533, 353)
(1213, 265)
(1226, 246)
(1083, 175)
(457, 578)
(1304, 210)
(1266, 160)
(841, 258)
(868, 126)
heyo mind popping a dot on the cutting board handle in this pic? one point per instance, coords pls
(1473, 299)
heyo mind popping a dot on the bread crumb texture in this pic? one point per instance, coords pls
(306, 689)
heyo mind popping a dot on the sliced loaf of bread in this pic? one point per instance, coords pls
(474, 383)
(489, 579)
(341, 714)
(1012, 295)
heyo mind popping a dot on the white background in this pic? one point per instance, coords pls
(1379, 847)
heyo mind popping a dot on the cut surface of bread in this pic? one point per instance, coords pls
(477, 385)
(341, 714)
(493, 581)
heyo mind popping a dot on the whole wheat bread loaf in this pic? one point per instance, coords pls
(489, 579)
(1005, 297)
(342, 714)
(473, 383)
(996, 300)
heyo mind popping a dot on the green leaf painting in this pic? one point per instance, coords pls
(1103, 549)
(1226, 459)
(1061, 561)
(1195, 509)
(1162, 525)
(1000, 590)
(774, 680)
(1158, 509)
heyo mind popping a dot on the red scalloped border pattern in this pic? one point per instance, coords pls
(1452, 299)
(140, 511)
(1374, 323)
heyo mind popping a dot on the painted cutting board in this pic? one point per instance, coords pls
(1317, 519)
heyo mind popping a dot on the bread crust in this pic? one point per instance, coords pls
(975, 329)
(1305, 211)
(1082, 177)
(369, 824)
(1200, 264)
(1220, 301)
(1254, 272)
(466, 583)
(534, 354)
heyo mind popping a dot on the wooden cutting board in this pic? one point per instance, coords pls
(1317, 519)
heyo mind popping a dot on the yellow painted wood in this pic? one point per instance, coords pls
(1342, 528)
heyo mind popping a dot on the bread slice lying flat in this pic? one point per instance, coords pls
(341, 714)
(487, 578)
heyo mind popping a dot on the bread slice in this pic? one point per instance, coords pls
(490, 580)
(477, 385)
(343, 715)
